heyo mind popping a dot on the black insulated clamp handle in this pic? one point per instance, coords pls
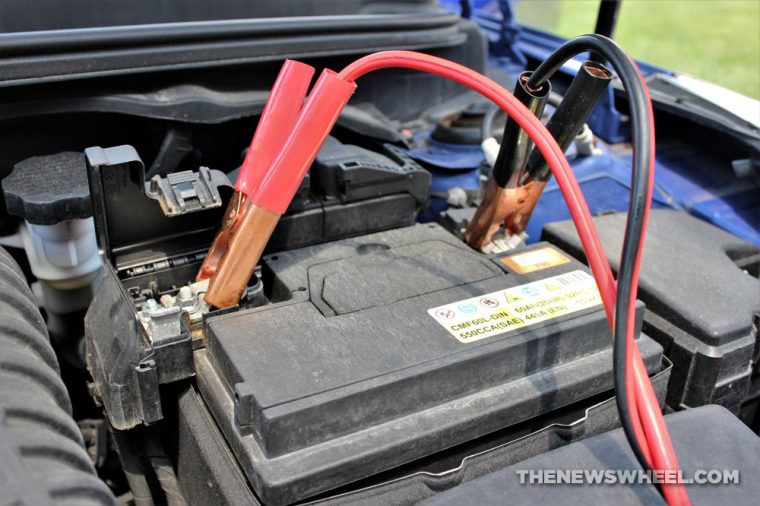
(567, 121)
(516, 144)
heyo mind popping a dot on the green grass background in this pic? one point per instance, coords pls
(715, 40)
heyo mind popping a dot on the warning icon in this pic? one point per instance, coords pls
(467, 308)
(489, 302)
(511, 297)
(446, 314)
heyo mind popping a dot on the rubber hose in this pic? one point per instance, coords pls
(42, 456)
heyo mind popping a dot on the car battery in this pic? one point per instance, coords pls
(379, 350)
(701, 286)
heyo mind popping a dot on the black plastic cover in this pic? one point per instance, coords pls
(45, 190)
(131, 227)
(54, 55)
(126, 365)
(352, 173)
(701, 292)
(704, 438)
(347, 375)
(15, 15)
(207, 470)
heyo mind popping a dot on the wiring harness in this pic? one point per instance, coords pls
(292, 130)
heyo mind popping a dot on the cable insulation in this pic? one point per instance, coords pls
(643, 424)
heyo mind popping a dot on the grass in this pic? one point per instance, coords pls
(715, 40)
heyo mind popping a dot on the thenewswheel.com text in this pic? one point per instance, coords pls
(626, 477)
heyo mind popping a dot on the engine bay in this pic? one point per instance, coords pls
(414, 310)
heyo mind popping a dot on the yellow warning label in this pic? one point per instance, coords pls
(513, 297)
(514, 308)
(535, 260)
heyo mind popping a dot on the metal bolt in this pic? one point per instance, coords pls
(187, 300)
(185, 294)
(149, 305)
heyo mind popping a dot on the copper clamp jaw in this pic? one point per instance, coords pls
(236, 250)
(511, 207)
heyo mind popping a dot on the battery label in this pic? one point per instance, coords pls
(535, 260)
(517, 307)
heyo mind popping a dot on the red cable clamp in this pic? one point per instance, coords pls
(282, 150)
